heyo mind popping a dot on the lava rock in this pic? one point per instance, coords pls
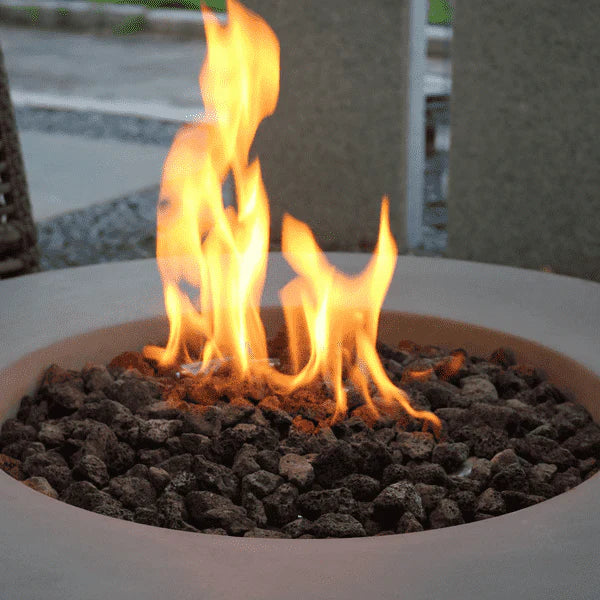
(281, 506)
(90, 467)
(132, 492)
(233, 519)
(440, 394)
(41, 484)
(478, 389)
(177, 464)
(196, 443)
(63, 398)
(585, 443)
(214, 477)
(97, 438)
(503, 459)
(318, 502)
(96, 378)
(182, 483)
(156, 431)
(395, 500)
(230, 440)
(254, 508)
(408, 523)
(334, 462)
(12, 466)
(260, 483)
(515, 500)
(428, 473)
(173, 508)
(51, 434)
(491, 502)
(362, 487)
(467, 502)
(566, 480)
(120, 457)
(159, 478)
(153, 456)
(138, 470)
(485, 441)
(297, 528)
(481, 469)
(23, 449)
(133, 392)
(537, 448)
(430, 495)
(269, 460)
(233, 414)
(504, 357)
(297, 470)
(147, 515)
(394, 473)
(85, 495)
(245, 462)
(445, 514)
(511, 477)
(257, 532)
(496, 417)
(450, 456)
(337, 525)
(207, 423)
(373, 457)
(417, 445)
(15, 431)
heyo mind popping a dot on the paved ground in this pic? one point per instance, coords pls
(85, 172)
(95, 199)
(113, 69)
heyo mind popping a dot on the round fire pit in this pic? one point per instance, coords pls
(52, 550)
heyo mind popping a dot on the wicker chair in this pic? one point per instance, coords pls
(18, 249)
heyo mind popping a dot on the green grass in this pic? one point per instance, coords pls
(440, 12)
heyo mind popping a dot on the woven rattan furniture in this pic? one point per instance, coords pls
(18, 250)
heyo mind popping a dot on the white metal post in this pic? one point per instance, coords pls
(415, 168)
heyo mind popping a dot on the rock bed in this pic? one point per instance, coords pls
(206, 455)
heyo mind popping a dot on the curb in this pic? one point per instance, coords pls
(103, 18)
(130, 108)
(120, 19)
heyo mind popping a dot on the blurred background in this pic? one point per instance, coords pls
(99, 88)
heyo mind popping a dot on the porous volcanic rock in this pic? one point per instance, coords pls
(208, 454)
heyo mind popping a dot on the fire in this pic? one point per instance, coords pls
(218, 252)
(213, 258)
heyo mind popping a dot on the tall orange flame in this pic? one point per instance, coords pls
(213, 258)
(339, 317)
(217, 251)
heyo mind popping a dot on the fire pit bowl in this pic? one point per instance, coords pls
(54, 551)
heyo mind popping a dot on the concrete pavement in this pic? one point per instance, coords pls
(67, 173)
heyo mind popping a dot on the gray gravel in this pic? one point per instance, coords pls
(124, 228)
(97, 125)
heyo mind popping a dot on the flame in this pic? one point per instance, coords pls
(218, 252)
(338, 318)
(213, 258)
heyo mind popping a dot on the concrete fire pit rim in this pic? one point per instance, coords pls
(544, 551)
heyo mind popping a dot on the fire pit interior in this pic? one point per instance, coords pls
(207, 453)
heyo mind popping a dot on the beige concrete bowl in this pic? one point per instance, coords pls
(54, 551)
